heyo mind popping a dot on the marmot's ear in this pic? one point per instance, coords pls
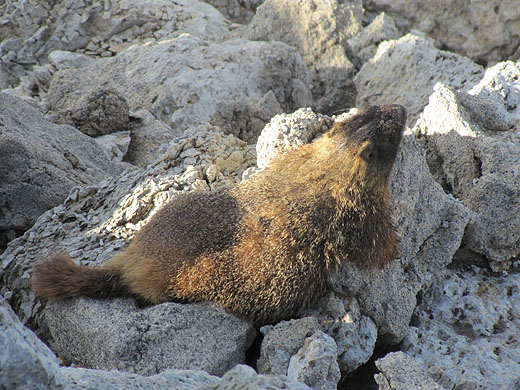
(367, 151)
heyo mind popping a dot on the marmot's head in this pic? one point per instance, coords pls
(371, 139)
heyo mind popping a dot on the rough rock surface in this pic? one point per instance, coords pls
(355, 334)
(404, 71)
(402, 372)
(282, 341)
(364, 44)
(188, 81)
(287, 131)
(116, 335)
(85, 379)
(97, 221)
(239, 11)
(316, 363)
(473, 147)
(319, 29)
(25, 362)
(485, 30)
(31, 30)
(39, 163)
(466, 333)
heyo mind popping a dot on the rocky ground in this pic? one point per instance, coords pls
(110, 109)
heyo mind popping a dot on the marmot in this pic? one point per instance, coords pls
(264, 248)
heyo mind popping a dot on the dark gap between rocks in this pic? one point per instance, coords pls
(363, 377)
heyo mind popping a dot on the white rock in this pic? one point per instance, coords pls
(404, 71)
(316, 363)
(466, 333)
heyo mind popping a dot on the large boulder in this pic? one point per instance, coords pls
(31, 30)
(40, 162)
(484, 30)
(25, 362)
(398, 371)
(473, 146)
(186, 81)
(116, 335)
(465, 334)
(405, 70)
(319, 30)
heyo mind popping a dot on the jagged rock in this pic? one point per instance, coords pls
(501, 84)
(97, 221)
(239, 11)
(355, 334)
(63, 59)
(244, 377)
(34, 29)
(115, 334)
(94, 112)
(364, 44)
(384, 78)
(287, 131)
(465, 334)
(319, 29)
(399, 371)
(282, 341)
(316, 363)
(115, 145)
(85, 379)
(485, 30)
(39, 163)
(25, 362)
(475, 157)
(188, 81)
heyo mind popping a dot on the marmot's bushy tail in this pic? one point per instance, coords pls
(60, 278)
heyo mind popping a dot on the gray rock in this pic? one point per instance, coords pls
(34, 30)
(316, 363)
(478, 165)
(244, 377)
(115, 145)
(239, 11)
(382, 28)
(484, 30)
(95, 222)
(465, 334)
(63, 59)
(319, 29)
(94, 112)
(39, 163)
(115, 334)
(355, 334)
(287, 131)
(384, 79)
(282, 341)
(84, 379)
(240, 377)
(188, 81)
(25, 362)
(400, 371)
(501, 85)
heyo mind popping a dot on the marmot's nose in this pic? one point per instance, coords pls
(397, 112)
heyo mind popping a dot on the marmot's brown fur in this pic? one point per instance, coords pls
(264, 248)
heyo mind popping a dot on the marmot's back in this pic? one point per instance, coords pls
(264, 248)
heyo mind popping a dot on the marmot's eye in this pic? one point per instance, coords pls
(367, 151)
